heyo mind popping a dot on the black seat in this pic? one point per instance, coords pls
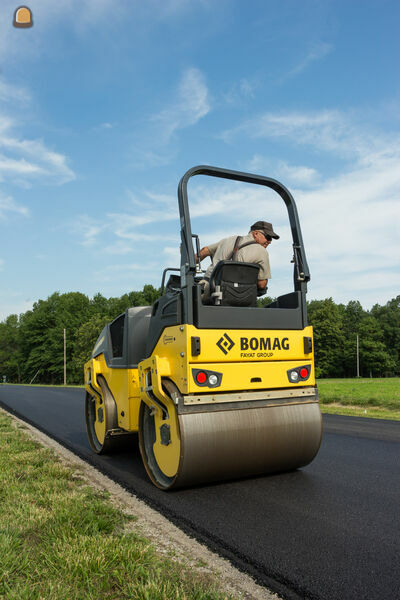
(234, 284)
(173, 284)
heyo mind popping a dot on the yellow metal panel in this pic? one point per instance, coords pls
(134, 399)
(240, 355)
(246, 345)
(172, 353)
(167, 453)
(236, 346)
(124, 386)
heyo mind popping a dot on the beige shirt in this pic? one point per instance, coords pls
(254, 253)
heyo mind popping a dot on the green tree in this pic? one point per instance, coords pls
(388, 317)
(353, 316)
(42, 335)
(264, 301)
(375, 360)
(326, 319)
(85, 339)
(11, 359)
(103, 311)
(99, 305)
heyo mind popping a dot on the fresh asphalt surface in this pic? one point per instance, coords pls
(328, 531)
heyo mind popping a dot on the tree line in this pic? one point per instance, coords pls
(32, 344)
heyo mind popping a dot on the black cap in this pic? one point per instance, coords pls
(266, 228)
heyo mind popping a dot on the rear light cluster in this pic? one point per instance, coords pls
(299, 374)
(205, 378)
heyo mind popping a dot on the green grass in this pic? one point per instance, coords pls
(61, 539)
(372, 397)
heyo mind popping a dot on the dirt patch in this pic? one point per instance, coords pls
(166, 537)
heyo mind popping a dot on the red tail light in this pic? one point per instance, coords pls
(299, 374)
(206, 378)
(201, 377)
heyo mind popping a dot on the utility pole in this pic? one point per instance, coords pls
(358, 359)
(65, 357)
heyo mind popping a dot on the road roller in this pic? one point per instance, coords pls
(217, 388)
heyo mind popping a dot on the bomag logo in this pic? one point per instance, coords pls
(225, 343)
(264, 343)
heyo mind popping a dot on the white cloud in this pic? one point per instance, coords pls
(187, 108)
(88, 230)
(294, 174)
(190, 103)
(30, 158)
(103, 126)
(144, 158)
(350, 218)
(240, 92)
(8, 205)
(20, 167)
(121, 231)
(172, 252)
(5, 123)
(351, 227)
(247, 88)
(341, 134)
(317, 52)
(11, 93)
(297, 174)
(207, 201)
(118, 248)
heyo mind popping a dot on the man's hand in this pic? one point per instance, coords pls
(262, 284)
(262, 287)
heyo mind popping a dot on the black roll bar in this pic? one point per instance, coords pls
(188, 264)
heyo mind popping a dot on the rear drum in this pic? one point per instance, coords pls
(227, 444)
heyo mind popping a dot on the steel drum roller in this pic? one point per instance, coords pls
(227, 444)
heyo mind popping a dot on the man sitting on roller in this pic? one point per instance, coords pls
(248, 250)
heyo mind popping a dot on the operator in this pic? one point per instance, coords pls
(250, 249)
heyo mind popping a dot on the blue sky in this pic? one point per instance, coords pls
(104, 104)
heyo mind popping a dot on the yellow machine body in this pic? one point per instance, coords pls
(255, 362)
(216, 388)
(253, 366)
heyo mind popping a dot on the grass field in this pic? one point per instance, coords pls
(378, 398)
(63, 540)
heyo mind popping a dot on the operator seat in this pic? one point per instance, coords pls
(233, 284)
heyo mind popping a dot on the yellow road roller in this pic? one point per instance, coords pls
(216, 389)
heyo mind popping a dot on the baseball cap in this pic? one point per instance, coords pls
(266, 228)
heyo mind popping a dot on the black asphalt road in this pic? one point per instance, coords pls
(330, 531)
